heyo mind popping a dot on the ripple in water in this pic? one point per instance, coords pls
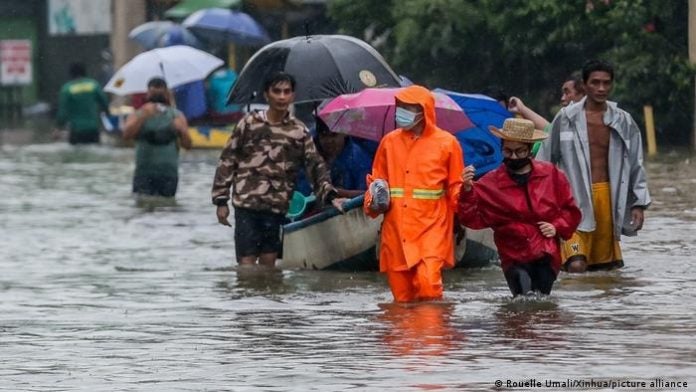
(101, 292)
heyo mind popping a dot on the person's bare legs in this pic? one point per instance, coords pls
(268, 259)
(576, 264)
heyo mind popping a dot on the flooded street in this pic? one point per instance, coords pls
(99, 293)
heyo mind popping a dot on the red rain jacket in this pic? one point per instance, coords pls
(512, 211)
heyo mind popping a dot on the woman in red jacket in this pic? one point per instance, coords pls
(528, 204)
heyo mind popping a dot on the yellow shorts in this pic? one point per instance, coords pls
(599, 247)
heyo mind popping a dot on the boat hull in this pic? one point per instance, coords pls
(330, 240)
(209, 137)
(350, 241)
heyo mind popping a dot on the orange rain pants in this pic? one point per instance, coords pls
(420, 283)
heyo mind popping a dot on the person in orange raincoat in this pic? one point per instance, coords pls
(422, 166)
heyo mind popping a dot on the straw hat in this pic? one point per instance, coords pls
(518, 130)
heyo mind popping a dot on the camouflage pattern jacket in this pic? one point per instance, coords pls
(261, 161)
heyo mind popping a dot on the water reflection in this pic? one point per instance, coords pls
(531, 322)
(423, 329)
(98, 290)
(151, 203)
(260, 278)
(602, 284)
(242, 281)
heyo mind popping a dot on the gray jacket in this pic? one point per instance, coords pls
(568, 147)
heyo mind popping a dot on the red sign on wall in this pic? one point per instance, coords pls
(15, 62)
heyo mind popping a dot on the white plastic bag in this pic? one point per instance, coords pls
(379, 189)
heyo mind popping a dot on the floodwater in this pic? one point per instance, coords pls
(100, 293)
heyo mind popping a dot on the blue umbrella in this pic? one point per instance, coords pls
(159, 34)
(404, 81)
(223, 25)
(481, 148)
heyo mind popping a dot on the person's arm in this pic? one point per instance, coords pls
(569, 215)
(357, 169)
(468, 210)
(379, 171)
(136, 120)
(318, 173)
(454, 178)
(102, 100)
(227, 164)
(181, 127)
(518, 107)
(224, 173)
(349, 193)
(639, 196)
(62, 115)
(638, 181)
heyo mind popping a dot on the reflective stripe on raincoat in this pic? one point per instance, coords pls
(424, 177)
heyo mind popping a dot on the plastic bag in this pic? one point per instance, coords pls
(379, 189)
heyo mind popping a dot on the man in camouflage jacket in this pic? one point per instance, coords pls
(260, 162)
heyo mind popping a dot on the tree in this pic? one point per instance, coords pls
(530, 46)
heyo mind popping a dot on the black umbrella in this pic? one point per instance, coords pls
(324, 66)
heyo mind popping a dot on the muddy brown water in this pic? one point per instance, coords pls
(100, 293)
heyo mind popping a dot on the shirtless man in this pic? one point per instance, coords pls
(599, 147)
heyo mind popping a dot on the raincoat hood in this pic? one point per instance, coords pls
(418, 95)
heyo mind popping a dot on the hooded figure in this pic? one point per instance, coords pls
(422, 166)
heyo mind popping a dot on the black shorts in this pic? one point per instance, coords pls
(256, 232)
(155, 185)
(83, 137)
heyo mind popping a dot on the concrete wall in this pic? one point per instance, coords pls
(126, 16)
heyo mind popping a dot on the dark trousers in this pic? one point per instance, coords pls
(155, 185)
(528, 277)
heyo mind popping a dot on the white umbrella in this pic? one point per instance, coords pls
(176, 64)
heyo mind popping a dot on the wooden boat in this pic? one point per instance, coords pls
(349, 241)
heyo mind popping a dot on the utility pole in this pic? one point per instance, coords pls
(692, 59)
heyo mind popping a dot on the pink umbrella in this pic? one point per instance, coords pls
(369, 114)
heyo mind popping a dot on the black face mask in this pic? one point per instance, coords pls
(158, 98)
(516, 164)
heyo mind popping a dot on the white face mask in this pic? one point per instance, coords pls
(405, 118)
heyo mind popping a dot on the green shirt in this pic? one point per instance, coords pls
(156, 151)
(79, 104)
(537, 145)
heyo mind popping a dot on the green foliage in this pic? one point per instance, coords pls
(530, 46)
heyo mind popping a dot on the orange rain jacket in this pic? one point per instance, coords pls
(424, 177)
